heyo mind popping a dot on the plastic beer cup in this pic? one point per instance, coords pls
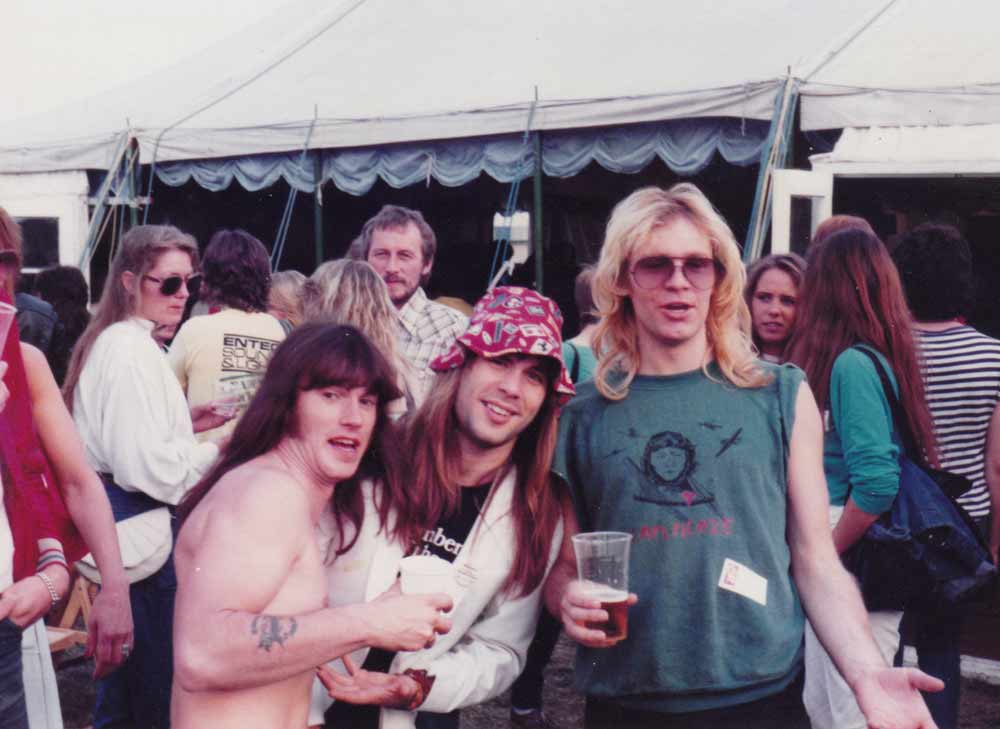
(602, 565)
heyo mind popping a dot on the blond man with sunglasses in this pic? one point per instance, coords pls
(712, 461)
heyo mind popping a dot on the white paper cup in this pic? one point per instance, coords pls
(422, 574)
(7, 314)
(226, 398)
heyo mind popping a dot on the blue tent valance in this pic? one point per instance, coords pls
(685, 145)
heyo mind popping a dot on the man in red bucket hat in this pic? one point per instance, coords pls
(480, 495)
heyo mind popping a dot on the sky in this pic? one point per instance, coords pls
(55, 51)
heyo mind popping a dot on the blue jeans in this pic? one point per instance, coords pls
(936, 638)
(13, 709)
(526, 693)
(138, 693)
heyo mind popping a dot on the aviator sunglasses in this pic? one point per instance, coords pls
(172, 284)
(654, 271)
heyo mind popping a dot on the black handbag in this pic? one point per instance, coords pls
(924, 553)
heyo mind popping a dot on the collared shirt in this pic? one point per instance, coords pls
(133, 418)
(427, 330)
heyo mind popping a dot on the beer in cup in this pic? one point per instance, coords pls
(602, 566)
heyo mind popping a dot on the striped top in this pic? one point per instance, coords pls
(962, 371)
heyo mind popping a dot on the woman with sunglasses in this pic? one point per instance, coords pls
(139, 436)
(852, 306)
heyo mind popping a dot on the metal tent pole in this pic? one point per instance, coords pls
(537, 214)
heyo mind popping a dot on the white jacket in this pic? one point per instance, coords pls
(486, 648)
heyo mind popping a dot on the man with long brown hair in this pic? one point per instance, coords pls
(712, 461)
(479, 494)
(251, 620)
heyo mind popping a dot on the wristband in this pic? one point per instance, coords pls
(53, 595)
(424, 684)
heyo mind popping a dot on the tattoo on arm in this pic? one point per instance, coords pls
(273, 630)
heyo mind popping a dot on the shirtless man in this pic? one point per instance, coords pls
(251, 623)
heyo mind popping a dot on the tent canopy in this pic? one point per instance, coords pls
(917, 63)
(914, 151)
(363, 73)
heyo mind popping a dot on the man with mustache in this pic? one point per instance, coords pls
(400, 246)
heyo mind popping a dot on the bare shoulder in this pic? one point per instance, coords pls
(251, 500)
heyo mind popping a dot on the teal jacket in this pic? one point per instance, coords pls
(860, 446)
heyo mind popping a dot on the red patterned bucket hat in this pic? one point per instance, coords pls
(512, 320)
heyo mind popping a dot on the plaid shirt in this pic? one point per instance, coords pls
(427, 330)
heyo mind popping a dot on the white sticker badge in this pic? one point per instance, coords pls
(743, 581)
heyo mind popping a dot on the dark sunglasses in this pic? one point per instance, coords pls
(172, 284)
(654, 271)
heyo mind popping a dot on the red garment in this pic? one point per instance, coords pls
(34, 506)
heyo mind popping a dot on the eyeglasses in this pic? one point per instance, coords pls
(654, 271)
(172, 284)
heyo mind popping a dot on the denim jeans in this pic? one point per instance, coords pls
(13, 709)
(936, 638)
(138, 693)
(526, 693)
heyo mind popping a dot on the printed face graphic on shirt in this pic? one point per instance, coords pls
(669, 462)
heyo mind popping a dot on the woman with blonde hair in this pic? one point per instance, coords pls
(728, 324)
(351, 292)
(138, 434)
(772, 293)
(284, 302)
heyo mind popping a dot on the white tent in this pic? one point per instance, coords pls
(916, 63)
(358, 73)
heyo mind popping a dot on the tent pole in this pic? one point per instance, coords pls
(773, 156)
(318, 207)
(133, 181)
(539, 268)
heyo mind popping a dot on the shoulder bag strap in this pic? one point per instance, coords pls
(574, 372)
(898, 416)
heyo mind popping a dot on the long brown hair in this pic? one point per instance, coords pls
(315, 356)
(140, 249)
(433, 490)
(852, 295)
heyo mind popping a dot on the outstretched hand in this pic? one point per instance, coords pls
(393, 690)
(580, 608)
(890, 698)
(204, 417)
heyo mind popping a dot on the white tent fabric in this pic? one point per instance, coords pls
(919, 63)
(914, 151)
(359, 73)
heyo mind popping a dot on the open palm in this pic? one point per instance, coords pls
(890, 698)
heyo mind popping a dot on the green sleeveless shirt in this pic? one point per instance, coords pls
(695, 469)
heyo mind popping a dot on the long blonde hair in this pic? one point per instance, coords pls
(139, 251)
(616, 339)
(286, 295)
(351, 292)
